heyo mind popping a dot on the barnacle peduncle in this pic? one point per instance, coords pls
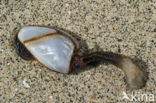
(135, 77)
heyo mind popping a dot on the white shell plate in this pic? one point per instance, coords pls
(53, 51)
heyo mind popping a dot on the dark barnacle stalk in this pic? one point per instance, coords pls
(135, 77)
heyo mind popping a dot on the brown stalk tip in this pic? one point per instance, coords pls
(135, 77)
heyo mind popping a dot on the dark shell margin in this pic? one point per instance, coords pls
(22, 50)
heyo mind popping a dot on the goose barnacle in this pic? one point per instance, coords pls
(58, 50)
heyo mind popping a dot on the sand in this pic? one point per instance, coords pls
(124, 27)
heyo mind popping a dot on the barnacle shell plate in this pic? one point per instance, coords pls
(48, 46)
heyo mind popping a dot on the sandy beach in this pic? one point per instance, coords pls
(122, 26)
